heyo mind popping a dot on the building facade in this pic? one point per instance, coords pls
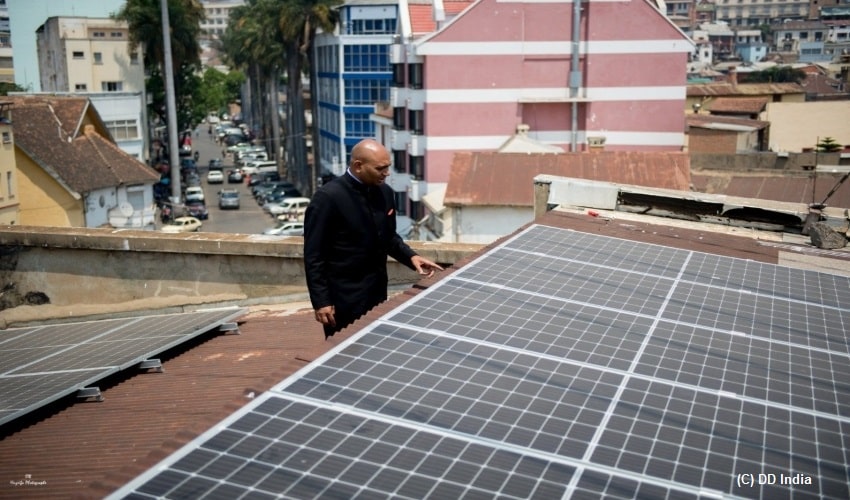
(353, 72)
(499, 64)
(79, 54)
(7, 71)
(217, 14)
(9, 199)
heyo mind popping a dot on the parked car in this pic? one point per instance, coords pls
(228, 198)
(286, 229)
(263, 177)
(234, 176)
(194, 193)
(215, 177)
(198, 210)
(290, 209)
(278, 195)
(183, 225)
(269, 186)
(192, 179)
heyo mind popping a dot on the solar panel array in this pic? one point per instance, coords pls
(41, 364)
(558, 364)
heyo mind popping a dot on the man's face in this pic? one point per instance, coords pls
(373, 171)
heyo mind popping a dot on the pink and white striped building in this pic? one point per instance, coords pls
(467, 75)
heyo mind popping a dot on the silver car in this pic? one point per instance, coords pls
(228, 198)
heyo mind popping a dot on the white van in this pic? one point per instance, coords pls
(259, 166)
(290, 209)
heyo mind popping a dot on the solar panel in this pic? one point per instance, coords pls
(45, 363)
(558, 364)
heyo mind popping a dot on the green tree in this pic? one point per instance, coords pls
(776, 74)
(145, 25)
(253, 42)
(299, 20)
(216, 91)
(828, 145)
(6, 87)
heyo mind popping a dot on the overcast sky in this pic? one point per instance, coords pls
(25, 16)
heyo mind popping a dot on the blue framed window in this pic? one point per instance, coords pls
(369, 58)
(366, 92)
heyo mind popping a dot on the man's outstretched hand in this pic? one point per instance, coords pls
(424, 266)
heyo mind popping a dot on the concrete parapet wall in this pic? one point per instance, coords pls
(62, 272)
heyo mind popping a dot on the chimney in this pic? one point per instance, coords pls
(733, 77)
(596, 144)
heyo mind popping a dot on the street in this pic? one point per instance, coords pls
(249, 218)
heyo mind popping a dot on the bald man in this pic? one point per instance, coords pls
(349, 230)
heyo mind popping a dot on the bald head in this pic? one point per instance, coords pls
(370, 162)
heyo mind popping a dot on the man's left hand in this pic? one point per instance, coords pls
(424, 266)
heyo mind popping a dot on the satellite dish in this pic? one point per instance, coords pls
(126, 209)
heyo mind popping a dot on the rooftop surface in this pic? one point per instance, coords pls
(90, 449)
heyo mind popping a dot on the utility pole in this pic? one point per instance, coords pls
(171, 105)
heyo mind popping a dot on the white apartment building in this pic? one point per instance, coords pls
(81, 54)
(217, 14)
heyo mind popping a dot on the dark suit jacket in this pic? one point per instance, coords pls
(349, 230)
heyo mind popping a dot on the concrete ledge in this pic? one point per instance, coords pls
(50, 272)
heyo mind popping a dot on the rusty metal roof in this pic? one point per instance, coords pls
(506, 179)
(88, 450)
(799, 188)
(707, 121)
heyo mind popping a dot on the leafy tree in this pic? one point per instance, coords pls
(828, 145)
(145, 25)
(776, 74)
(215, 91)
(253, 42)
(6, 87)
(299, 20)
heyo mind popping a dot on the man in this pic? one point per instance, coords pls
(349, 230)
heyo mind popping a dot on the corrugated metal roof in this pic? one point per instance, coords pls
(89, 450)
(506, 179)
(693, 120)
(798, 188)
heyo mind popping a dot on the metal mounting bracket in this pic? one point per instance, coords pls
(90, 392)
(151, 364)
(231, 328)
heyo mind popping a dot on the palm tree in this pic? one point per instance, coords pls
(299, 21)
(145, 25)
(253, 42)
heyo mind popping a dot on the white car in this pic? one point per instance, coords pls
(286, 229)
(215, 177)
(194, 193)
(183, 225)
(289, 208)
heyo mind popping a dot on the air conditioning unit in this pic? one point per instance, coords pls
(596, 142)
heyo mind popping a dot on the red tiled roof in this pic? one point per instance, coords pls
(738, 105)
(742, 89)
(51, 133)
(422, 16)
(491, 178)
